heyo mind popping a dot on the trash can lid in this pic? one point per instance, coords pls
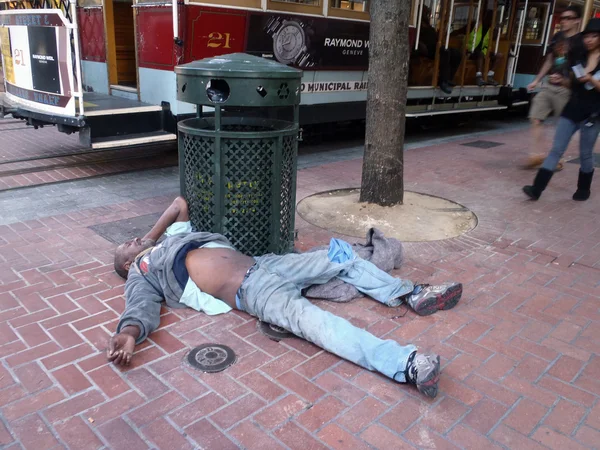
(238, 65)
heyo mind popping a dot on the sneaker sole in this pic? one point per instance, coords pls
(429, 386)
(443, 301)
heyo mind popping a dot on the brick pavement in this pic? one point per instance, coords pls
(520, 352)
(26, 163)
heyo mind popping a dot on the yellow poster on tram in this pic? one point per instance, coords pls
(7, 61)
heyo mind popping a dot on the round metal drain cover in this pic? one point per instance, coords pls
(211, 358)
(273, 331)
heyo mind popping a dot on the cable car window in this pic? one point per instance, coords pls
(535, 24)
(297, 6)
(352, 9)
(299, 2)
(241, 3)
(461, 16)
(351, 5)
(88, 3)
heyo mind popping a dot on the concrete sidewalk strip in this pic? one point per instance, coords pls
(520, 352)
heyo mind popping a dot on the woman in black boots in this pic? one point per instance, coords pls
(581, 113)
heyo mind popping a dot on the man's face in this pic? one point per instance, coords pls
(133, 247)
(569, 21)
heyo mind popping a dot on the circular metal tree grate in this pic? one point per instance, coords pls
(211, 358)
(273, 331)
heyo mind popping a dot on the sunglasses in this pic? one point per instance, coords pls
(568, 18)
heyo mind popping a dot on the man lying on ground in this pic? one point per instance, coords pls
(203, 271)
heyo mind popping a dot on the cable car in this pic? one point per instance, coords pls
(105, 68)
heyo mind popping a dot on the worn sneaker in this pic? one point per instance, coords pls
(427, 299)
(423, 370)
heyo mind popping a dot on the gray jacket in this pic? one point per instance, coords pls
(145, 292)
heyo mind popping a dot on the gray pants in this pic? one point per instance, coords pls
(272, 293)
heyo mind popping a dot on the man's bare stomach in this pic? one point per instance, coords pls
(218, 271)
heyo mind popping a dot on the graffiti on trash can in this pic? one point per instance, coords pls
(244, 197)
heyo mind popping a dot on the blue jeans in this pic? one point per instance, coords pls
(272, 292)
(565, 130)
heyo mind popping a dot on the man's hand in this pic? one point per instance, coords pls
(531, 86)
(120, 349)
(556, 78)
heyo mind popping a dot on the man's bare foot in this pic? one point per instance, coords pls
(533, 162)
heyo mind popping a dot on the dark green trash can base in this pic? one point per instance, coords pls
(243, 186)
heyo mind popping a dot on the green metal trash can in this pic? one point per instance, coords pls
(238, 167)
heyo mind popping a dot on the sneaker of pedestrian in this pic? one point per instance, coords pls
(426, 299)
(490, 79)
(445, 87)
(479, 79)
(423, 370)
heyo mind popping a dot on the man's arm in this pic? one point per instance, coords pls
(140, 318)
(177, 212)
(548, 62)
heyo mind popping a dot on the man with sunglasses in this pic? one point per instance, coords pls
(565, 50)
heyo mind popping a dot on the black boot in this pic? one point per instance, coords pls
(539, 184)
(583, 186)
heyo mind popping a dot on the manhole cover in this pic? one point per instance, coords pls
(273, 331)
(482, 144)
(211, 358)
(596, 160)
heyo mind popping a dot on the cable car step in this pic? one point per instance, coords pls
(157, 137)
(433, 112)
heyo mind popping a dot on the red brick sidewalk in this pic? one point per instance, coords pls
(520, 352)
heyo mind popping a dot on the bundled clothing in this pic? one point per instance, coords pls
(386, 253)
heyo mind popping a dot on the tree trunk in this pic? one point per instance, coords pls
(382, 177)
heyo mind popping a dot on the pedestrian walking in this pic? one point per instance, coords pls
(581, 113)
(565, 49)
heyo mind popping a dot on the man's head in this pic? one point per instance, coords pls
(126, 253)
(570, 19)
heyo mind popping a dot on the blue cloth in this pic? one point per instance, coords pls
(340, 251)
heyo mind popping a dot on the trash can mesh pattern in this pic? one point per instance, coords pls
(199, 175)
(288, 191)
(252, 203)
(247, 194)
